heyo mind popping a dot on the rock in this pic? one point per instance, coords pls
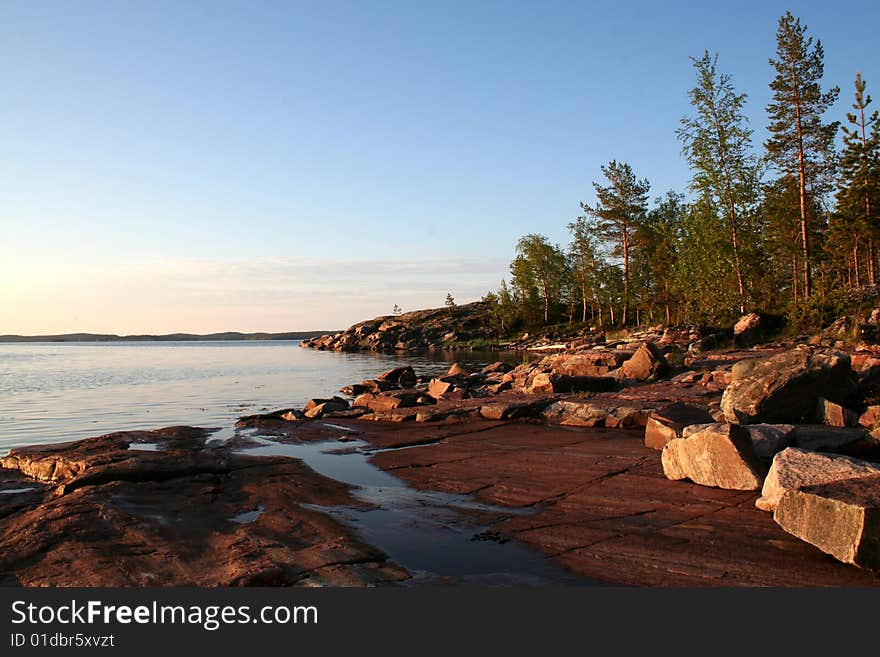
(852, 441)
(405, 377)
(387, 401)
(870, 419)
(355, 389)
(770, 439)
(627, 417)
(841, 518)
(334, 405)
(377, 385)
(509, 410)
(835, 415)
(349, 413)
(747, 330)
(585, 364)
(786, 387)
(793, 468)
(552, 382)
(669, 422)
(124, 517)
(575, 414)
(440, 389)
(414, 332)
(497, 368)
(458, 370)
(721, 455)
(647, 363)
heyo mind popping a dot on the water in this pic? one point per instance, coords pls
(423, 531)
(53, 392)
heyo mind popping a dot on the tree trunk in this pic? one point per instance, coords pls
(625, 277)
(734, 233)
(802, 188)
(856, 263)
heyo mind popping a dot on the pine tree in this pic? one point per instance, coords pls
(801, 144)
(620, 210)
(859, 168)
(717, 143)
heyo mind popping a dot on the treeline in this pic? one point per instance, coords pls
(790, 229)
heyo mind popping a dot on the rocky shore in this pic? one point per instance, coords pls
(640, 462)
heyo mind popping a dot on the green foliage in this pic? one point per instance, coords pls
(740, 241)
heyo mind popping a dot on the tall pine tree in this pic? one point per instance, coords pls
(800, 143)
(620, 211)
(857, 196)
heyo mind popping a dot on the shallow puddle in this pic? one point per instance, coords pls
(423, 531)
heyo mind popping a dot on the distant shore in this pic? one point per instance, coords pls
(171, 337)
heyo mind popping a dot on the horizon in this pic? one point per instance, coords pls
(281, 168)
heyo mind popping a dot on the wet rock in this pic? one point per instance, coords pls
(835, 415)
(350, 413)
(316, 408)
(841, 518)
(722, 455)
(786, 387)
(127, 517)
(793, 468)
(647, 363)
(669, 422)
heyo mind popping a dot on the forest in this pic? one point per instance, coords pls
(789, 229)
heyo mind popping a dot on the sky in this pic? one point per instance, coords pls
(282, 166)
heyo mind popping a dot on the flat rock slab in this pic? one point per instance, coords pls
(841, 518)
(794, 468)
(133, 520)
(600, 505)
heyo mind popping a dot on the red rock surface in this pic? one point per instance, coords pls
(605, 509)
(142, 518)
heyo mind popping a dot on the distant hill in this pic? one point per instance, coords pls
(172, 337)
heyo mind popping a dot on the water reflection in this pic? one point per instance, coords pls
(51, 392)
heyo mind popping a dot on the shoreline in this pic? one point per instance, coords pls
(598, 502)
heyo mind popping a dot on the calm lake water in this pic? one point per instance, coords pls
(52, 392)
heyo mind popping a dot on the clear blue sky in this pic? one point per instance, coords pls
(280, 165)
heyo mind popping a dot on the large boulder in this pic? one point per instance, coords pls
(720, 455)
(767, 439)
(793, 468)
(786, 387)
(852, 441)
(647, 363)
(669, 422)
(841, 518)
